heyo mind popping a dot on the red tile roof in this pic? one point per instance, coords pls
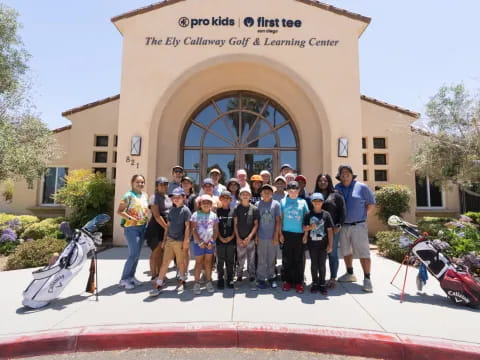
(390, 106)
(90, 105)
(57, 130)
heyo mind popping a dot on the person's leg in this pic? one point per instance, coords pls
(314, 265)
(198, 266)
(168, 255)
(132, 235)
(251, 250)
(221, 259)
(288, 256)
(271, 256)
(366, 265)
(241, 258)
(180, 256)
(262, 260)
(139, 244)
(230, 260)
(298, 254)
(346, 251)
(333, 258)
(156, 259)
(322, 259)
(208, 261)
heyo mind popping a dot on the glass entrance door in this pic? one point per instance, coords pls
(256, 161)
(224, 161)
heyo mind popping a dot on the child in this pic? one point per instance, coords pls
(245, 219)
(176, 242)
(318, 226)
(256, 183)
(267, 237)
(225, 241)
(293, 212)
(205, 232)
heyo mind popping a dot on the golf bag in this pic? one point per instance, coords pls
(456, 280)
(50, 281)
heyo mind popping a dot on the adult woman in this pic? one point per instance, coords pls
(234, 187)
(335, 205)
(133, 209)
(160, 205)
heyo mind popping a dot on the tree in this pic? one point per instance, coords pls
(450, 150)
(26, 144)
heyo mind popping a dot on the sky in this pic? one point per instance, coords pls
(409, 50)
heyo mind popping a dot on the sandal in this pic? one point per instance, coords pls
(332, 283)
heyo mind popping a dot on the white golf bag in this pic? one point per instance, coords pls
(49, 282)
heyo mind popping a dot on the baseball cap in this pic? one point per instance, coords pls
(341, 167)
(245, 189)
(264, 172)
(226, 193)
(301, 177)
(256, 178)
(177, 167)
(161, 180)
(205, 197)
(292, 185)
(208, 181)
(215, 170)
(286, 166)
(317, 196)
(188, 178)
(267, 186)
(178, 191)
(280, 178)
(233, 180)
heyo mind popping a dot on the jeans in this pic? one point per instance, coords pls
(333, 257)
(294, 253)
(135, 238)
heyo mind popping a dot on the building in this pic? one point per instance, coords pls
(239, 84)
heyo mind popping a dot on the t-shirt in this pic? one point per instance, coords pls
(205, 225)
(357, 196)
(233, 202)
(322, 221)
(225, 223)
(279, 197)
(255, 198)
(172, 185)
(293, 212)
(177, 217)
(137, 207)
(163, 202)
(190, 202)
(268, 214)
(217, 190)
(246, 215)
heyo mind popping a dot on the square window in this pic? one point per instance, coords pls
(114, 157)
(380, 159)
(100, 170)
(380, 175)
(101, 140)
(364, 159)
(365, 175)
(115, 140)
(100, 157)
(364, 143)
(379, 143)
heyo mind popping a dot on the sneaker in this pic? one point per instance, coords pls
(135, 281)
(127, 285)
(154, 277)
(230, 284)
(313, 289)
(262, 284)
(220, 284)
(197, 289)
(286, 286)
(210, 287)
(299, 288)
(323, 290)
(367, 285)
(154, 292)
(239, 278)
(273, 283)
(181, 287)
(347, 278)
(253, 284)
(332, 283)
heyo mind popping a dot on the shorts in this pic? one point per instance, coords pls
(173, 249)
(354, 241)
(205, 251)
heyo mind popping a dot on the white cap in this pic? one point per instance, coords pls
(265, 172)
(245, 189)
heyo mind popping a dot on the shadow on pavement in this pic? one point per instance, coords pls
(57, 304)
(435, 299)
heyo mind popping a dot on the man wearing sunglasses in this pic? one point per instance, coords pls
(177, 174)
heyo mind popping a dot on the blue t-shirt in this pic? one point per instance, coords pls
(357, 196)
(177, 217)
(268, 214)
(293, 212)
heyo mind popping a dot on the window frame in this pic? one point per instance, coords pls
(375, 177)
(379, 137)
(42, 187)
(95, 157)
(429, 207)
(380, 154)
(95, 138)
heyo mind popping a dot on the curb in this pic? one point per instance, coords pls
(269, 336)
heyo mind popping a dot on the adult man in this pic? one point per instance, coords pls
(359, 201)
(215, 175)
(177, 173)
(242, 178)
(286, 169)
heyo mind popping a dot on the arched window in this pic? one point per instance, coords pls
(239, 130)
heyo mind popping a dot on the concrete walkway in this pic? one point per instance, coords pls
(426, 315)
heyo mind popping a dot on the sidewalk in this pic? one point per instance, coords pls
(429, 315)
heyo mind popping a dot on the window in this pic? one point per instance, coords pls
(365, 175)
(100, 170)
(381, 175)
(100, 156)
(53, 180)
(114, 173)
(428, 195)
(379, 143)
(101, 140)
(115, 140)
(380, 159)
(114, 157)
(364, 159)
(364, 143)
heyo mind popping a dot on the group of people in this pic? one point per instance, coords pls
(253, 221)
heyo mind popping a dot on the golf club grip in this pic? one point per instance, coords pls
(91, 278)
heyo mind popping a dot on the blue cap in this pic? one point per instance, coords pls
(208, 181)
(178, 191)
(317, 196)
(286, 166)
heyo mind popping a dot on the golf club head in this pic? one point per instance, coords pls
(394, 220)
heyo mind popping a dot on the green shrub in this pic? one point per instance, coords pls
(432, 225)
(475, 216)
(389, 248)
(463, 238)
(392, 199)
(34, 253)
(8, 247)
(44, 229)
(4, 218)
(24, 221)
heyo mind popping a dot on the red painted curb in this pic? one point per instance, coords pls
(282, 337)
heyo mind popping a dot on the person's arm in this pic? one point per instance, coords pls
(186, 239)
(235, 228)
(253, 232)
(158, 218)
(165, 235)
(276, 234)
(370, 208)
(123, 214)
(330, 240)
(215, 235)
(306, 228)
